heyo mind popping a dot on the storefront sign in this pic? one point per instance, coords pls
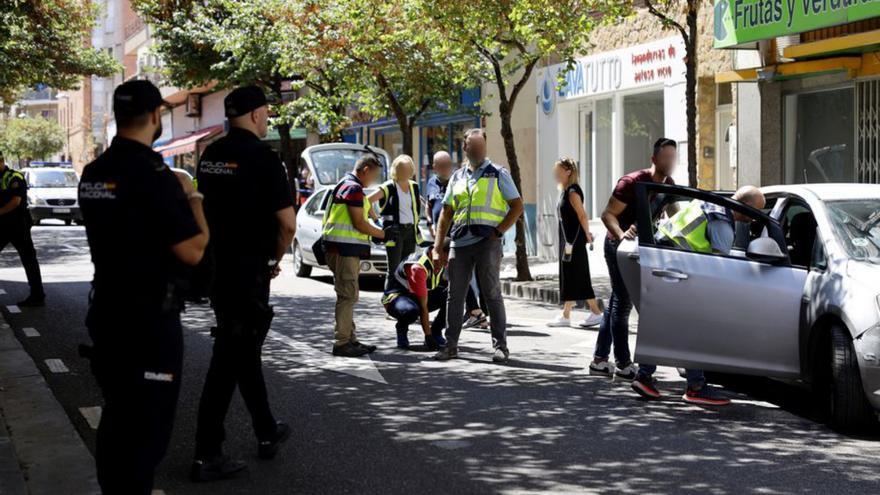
(743, 21)
(619, 70)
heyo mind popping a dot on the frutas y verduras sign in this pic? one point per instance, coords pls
(743, 21)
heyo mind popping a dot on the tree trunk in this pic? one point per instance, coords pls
(406, 130)
(290, 160)
(522, 257)
(691, 92)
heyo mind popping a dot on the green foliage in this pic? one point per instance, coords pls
(31, 138)
(46, 42)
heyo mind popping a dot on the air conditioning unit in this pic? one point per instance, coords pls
(194, 105)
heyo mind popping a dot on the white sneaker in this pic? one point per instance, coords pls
(626, 373)
(559, 321)
(591, 321)
(602, 368)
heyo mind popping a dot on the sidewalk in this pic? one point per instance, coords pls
(545, 286)
(40, 451)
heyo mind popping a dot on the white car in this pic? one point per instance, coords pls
(798, 298)
(327, 164)
(52, 194)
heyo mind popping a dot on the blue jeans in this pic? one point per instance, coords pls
(406, 310)
(695, 378)
(614, 328)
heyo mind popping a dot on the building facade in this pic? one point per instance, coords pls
(809, 81)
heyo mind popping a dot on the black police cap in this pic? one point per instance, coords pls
(136, 98)
(243, 100)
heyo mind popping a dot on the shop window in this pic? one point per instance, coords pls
(643, 124)
(819, 137)
(724, 94)
(604, 165)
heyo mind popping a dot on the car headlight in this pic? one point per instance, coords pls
(36, 200)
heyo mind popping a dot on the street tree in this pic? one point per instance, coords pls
(501, 42)
(668, 12)
(227, 43)
(31, 138)
(398, 72)
(46, 42)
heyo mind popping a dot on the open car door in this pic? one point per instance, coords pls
(736, 312)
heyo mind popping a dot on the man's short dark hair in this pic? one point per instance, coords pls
(662, 143)
(367, 161)
(476, 130)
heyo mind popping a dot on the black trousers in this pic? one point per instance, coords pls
(243, 319)
(138, 370)
(19, 235)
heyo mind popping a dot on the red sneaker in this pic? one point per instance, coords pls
(706, 396)
(644, 386)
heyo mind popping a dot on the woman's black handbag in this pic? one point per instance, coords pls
(318, 251)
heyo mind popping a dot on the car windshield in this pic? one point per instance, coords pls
(52, 178)
(331, 165)
(857, 227)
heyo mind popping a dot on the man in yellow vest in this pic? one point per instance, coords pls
(15, 228)
(481, 203)
(705, 228)
(346, 239)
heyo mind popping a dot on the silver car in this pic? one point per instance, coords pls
(798, 298)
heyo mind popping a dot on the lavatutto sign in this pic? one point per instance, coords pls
(743, 21)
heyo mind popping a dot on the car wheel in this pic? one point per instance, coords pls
(849, 410)
(299, 265)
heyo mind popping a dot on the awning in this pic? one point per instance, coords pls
(187, 144)
(850, 44)
(793, 70)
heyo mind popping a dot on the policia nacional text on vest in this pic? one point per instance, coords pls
(389, 207)
(479, 208)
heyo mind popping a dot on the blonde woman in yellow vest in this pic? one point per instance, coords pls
(400, 204)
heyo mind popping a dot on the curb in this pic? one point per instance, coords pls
(51, 456)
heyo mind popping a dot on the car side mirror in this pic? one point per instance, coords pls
(765, 250)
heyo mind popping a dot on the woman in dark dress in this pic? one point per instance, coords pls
(574, 234)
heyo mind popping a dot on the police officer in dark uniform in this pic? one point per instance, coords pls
(249, 208)
(145, 227)
(15, 228)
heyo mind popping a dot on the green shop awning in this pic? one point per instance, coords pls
(739, 23)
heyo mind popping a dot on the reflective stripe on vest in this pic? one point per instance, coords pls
(423, 259)
(386, 198)
(687, 228)
(482, 204)
(8, 175)
(338, 226)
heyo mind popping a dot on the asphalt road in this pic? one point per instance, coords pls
(401, 423)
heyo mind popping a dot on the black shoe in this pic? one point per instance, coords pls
(349, 350)
(221, 467)
(32, 301)
(370, 348)
(268, 448)
(446, 353)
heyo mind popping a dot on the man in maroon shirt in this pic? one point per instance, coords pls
(620, 220)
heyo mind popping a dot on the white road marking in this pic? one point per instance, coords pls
(12, 308)
(92, 416)
(303, 353)
(30, 332)
(158, 492)
(56, 366)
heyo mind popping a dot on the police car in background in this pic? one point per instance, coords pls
(52, 189)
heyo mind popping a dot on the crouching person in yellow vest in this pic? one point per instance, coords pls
(417, 288)
(400, 204)
(481, 203)
(704, 228)
(346, 240)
